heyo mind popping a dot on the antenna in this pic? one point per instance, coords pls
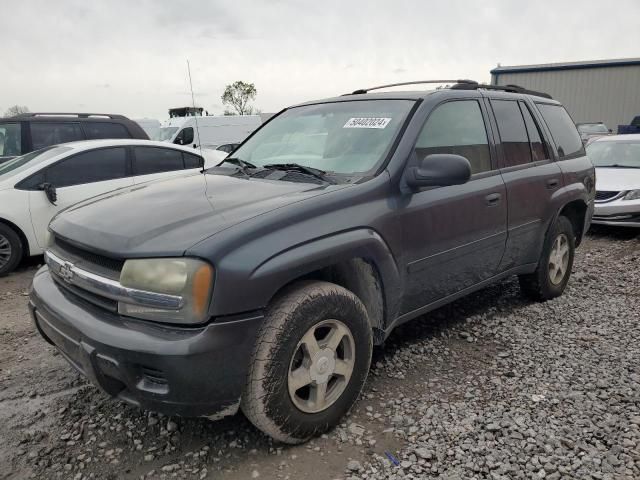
(193, 103)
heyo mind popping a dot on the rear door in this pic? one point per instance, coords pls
(77, 178)
(454, 236)
(152, 163)
(531, 176)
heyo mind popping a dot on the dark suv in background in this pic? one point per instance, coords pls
(264, 283)
(32, 131)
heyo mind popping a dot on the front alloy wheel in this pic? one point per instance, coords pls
(310, 361)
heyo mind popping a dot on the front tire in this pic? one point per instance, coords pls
(310, 362)
(10, 250)
(555, 264)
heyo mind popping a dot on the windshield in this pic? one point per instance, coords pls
(614, 154)
(341, 137)
(19, 164)
(10, 139)
(165, 133)
(593, 128)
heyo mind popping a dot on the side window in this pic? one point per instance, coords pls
(97, 130)
(457, 128)
(538, 150)
(89, 167)
(44, 134)
(563, 130)
(185, 137)
(150, 160)
(513, 134)
(10, 139)
(191, 161)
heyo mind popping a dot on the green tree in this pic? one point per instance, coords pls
(16, 110)
(237, 96)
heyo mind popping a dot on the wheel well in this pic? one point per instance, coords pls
(361, 277)
(21, 236)
(576, 211)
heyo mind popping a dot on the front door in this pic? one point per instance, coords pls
(454, 237)
(76, 179)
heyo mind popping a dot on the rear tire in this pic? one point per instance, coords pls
(310, 362)
(10, 249)
(554, 266)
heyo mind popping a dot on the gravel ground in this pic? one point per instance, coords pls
(492, 386)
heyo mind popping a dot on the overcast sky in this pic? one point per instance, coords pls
(130, 56)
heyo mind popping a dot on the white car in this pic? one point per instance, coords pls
(617, 162)
(36, 186)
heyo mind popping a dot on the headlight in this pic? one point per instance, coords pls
(187, 279)
(632, 195)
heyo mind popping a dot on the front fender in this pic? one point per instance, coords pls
(236, 293)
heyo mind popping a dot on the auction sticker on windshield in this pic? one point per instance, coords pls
(367, 122)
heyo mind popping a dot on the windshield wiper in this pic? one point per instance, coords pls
(296, 167)
(242, 164)
(616, 165)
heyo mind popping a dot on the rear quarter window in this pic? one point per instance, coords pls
(563, 130)
(98, 130)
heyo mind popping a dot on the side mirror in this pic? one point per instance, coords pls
(50, 191)
(439, 170)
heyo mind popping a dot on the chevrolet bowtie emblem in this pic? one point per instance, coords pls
(66, 271)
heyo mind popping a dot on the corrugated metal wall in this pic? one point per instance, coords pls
(610, 95)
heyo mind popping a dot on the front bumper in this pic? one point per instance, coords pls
(173, 370)
(618, 212)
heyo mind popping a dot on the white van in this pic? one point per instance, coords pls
(150, 125)
(213, 131)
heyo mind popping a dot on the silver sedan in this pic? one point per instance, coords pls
(617, 162)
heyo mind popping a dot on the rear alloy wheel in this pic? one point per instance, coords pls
(555, 263)
(310, 361)
(10, 250)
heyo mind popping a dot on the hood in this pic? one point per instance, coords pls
(617, 179)
(165, 218)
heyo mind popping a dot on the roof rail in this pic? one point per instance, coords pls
(365, 90)
(503, 88)
(70, 114)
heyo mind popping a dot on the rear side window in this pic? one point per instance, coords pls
(538, 150)
(10, 139)
(457, 128)
(89, 167)
(191, 161)
(513, 133)
(44, 134)
(97, 130)
(563, 130)
(150, 160)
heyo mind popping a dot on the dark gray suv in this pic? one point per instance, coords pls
(264, 283)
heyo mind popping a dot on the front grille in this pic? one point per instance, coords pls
(93, 262)
(603, 196)
(87, 296)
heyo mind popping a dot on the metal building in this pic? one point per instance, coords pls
(593, 91)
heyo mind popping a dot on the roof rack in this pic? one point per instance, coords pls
(459, 85)
(365, 90)
(503, 88)
(70, 114)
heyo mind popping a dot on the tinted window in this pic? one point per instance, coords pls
(563, 130)
(191, 161)
(538, 149)
(457, 128)
(89, 167)
(10, 139)
(157, 160)
(96, 130)
(44, 134)
(513, 134)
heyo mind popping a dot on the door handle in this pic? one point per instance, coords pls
(553, 183)
(493, 199)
